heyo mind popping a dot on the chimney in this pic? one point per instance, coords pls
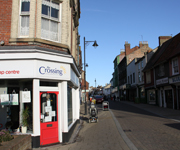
(140, 44)
(163, 39)
(127, 48)
(122, 51)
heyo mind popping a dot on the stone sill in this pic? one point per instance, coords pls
(38, 40)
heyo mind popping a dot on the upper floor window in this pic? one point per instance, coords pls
(24, 18)
(142, 65)
(50, 20)
(148, 77)
(128, 80)
(133, 77)
(175, 68)
(161, 70)
(139, 76)
(139, 65)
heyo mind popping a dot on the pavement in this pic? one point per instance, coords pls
(107, 134)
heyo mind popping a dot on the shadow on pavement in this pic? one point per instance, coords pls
(174, 125)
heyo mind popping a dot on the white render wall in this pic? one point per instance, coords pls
(130, 70)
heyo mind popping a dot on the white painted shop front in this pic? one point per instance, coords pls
(45, 82)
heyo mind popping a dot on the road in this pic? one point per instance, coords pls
(146, 130)
(125, 127)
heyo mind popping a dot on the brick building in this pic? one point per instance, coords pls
(40, 67)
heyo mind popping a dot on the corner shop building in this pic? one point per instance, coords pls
(45, 81)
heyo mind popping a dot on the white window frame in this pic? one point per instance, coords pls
(20, 18)
(176, 65)
(55, 20)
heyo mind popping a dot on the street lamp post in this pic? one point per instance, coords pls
(95, 83)
(95, 45)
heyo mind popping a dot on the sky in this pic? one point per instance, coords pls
(112, 22)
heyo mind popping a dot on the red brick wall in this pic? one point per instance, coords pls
(5, 20)
(82, 85)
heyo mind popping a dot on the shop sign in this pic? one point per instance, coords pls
(13, 99)
(16, 69)
(53, 70)
(74, 78)
(4, 99)
(174, 79)
(26, 96)
(162, 81)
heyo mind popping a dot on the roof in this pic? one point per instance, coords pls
(157, 55)
(171, 50)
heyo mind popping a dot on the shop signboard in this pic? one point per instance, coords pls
(26, 96)
(174, 79)
(4, 99)
(16, 69)
(13, 99)
(162, 81)
(53, 70)
(74, 78)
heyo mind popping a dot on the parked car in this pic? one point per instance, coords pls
(99, 98)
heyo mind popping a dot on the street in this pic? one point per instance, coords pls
(146, 130)
(135, 129)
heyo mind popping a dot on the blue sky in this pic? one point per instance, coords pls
(112, 22)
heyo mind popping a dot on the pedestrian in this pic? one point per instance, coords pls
(105, 98)
(114, 97)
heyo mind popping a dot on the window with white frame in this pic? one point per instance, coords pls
(175, 68)
(148, 77)
(50, 20)
(24, 17)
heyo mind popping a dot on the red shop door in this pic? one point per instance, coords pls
(49, 117)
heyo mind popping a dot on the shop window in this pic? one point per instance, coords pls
(142, 92)
(161, 70)
(69, 104)
(24, 17)
(175, 69)
(50, 20)
(151, 96)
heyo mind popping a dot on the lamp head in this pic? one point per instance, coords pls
(95, 44)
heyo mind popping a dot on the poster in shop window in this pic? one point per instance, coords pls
(26, 96)
(4, 99)
(13, 99)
